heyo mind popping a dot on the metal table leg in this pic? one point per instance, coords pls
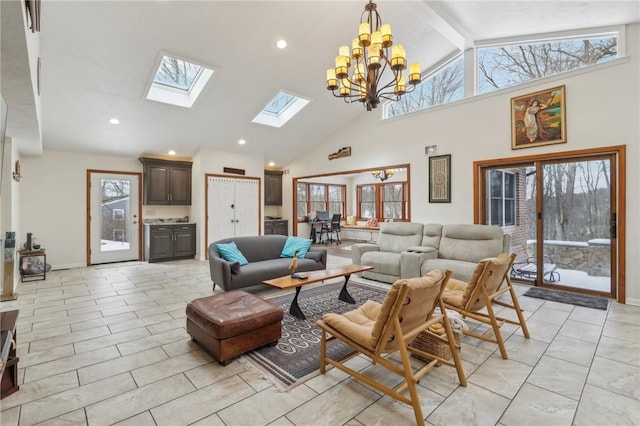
(294, 309)
(344, 294)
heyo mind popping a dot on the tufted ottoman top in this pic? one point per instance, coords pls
(233, 313)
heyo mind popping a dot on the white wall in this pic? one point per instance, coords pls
(53, 201)
(602, 109)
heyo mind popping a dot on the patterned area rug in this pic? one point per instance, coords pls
(571, 298)
(296, 357)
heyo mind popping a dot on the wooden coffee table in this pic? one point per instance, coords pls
(316, 276)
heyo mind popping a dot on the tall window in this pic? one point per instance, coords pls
(509, 65)
(444, 85)
(313, 197)
(501, 206)
(383, 201)
(302, 200)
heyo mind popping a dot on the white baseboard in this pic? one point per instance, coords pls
(632, 302)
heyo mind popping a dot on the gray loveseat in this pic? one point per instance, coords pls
(409, 249)
(265, 263)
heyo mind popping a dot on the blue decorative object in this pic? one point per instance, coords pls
(231, 253)
(296, 243)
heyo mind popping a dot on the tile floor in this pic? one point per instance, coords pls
(107, 345)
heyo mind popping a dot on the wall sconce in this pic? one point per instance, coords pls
(16, 172)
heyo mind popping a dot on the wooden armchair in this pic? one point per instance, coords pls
(482, 291)
(376, 329)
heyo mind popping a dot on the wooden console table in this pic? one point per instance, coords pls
(8, 360)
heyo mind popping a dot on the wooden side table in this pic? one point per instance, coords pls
(26, 276)
(9, 366)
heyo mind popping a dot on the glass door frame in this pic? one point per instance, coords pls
(618, 190)
(90, 172)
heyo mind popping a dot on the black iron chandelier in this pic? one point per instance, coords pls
(372, 53)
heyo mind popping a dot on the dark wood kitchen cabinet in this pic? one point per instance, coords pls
(169, 242)
(166, 182)
(278, 227)
(272, 188)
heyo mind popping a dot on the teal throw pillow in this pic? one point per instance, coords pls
(231, 253)
(296, 243)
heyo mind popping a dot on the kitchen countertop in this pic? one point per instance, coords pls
(169, 221)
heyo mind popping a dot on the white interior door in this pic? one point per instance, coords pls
(233, 207)
(114, 220)
(247, 207)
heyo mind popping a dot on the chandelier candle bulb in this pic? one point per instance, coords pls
(398, 57)
(341, 67)
(414, 73)
(376, 39)
(364, 35)
(344, 51)
(387, 39)
(345, 87)
(332, 81)
(356, 49)
(374, 57)
(401, 87)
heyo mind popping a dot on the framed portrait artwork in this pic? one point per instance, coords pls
(440, 179)
(538, 119)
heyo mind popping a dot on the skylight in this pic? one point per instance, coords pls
(280, 109)
(178, 82)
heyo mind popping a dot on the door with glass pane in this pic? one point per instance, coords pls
(114, 217)
(561, 218)
(578, 222)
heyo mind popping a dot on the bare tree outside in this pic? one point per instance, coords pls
(445, 85)
(176, 73)
(506, 66)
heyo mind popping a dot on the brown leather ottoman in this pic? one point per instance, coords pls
(232, 323)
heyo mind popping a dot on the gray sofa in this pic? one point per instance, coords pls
(265, 263)
(409, 249)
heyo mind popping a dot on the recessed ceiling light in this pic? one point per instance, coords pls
(281, 44)
(271, 164)
(241, 141)
(114, 121)
(171, 152)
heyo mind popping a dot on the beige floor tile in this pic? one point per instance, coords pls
(600, 407)
(622, 331)
(73, 399)
(588, 315)
(52, 342)
(562, 377)
(34, 358)
(552, 316)
(266, 406)
(163, 326)
(580, 330)
(615, 377)
(526, 351)
(110, 340)
(9, 416)
(142, 419)
(388, 411)
(619, 350)
(74, 418)
(202, 403)
(502, 376)
(624, 313)
(181, 346)
(41, 334)
(71, 363)
(65, 319)
(213, 372)
(119, 365)
(132, 402)
(41, 389)
(470, 406)
(152, 341)
(343, 402)
(572, 350)
(534, 406)
(168, 367)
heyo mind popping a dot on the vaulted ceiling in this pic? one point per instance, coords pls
(98, 59)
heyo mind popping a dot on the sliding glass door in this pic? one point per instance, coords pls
(561, 215)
